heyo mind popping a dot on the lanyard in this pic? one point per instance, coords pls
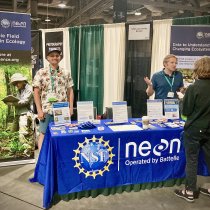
(169, 82)
(52, 78)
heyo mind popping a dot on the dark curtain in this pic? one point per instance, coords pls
(138, 64)
(36, 51)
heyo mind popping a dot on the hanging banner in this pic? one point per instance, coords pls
(16, 119)
(119, 11)
(189, 43)
(54, 39)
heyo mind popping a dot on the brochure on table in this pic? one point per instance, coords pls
(155, 108)
(171, 108)
(120, 112)
(85, 111)
(61, 113)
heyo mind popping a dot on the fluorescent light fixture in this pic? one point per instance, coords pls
(62, 5)
(137, 13)
(47, 19)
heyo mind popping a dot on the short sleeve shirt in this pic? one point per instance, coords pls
(61, 82)
(162, 87)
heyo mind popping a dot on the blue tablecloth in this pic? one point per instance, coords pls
(74, 160)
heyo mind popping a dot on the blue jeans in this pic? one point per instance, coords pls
(44, 123)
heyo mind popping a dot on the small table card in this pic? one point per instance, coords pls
(85, 111)
(171, 108)
(155, 108)
(61, 113)
(120, 112)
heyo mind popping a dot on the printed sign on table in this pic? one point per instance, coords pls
(120, 112)
(171, 108)
(155, 108)
(61, 113)
(85, 111)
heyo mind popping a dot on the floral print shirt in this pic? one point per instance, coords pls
(54, 82)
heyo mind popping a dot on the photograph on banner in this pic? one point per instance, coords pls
(189, 43)
(16, 95)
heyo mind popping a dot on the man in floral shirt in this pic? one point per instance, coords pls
(51, 84)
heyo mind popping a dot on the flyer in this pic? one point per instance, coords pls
(120, 112)
(171, 108)
(85, 111)
(61, 113)
(155, 108)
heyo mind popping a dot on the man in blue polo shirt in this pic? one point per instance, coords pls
(167, 82)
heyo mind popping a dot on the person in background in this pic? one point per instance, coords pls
(24, 105)
(166, 82)
(196, 107)
(51, 84)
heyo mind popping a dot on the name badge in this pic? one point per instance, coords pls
(170, 95)
(51, 97)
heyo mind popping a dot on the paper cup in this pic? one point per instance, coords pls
(145, 122)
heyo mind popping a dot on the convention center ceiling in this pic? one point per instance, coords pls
(66, 13)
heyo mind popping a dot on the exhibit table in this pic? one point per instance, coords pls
(74, 160)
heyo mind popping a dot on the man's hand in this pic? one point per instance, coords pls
(180, 95)
(71, 111)
(41, 115)
(148, 81)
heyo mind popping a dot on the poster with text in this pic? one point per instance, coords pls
(16, 97)
(189, 43)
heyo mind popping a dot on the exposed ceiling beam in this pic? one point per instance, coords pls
(165, 5)
(82, 11)
(195, 3)
(96, 11)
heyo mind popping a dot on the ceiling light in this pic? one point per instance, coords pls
(137, 13)
(62, 4)
(47, 19)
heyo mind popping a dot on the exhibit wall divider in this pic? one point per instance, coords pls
(86, 48)
(138, 64)
(105, 67)
(16, 126)
(87, 62)
(97, 55)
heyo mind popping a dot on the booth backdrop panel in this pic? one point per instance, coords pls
(16, 147)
